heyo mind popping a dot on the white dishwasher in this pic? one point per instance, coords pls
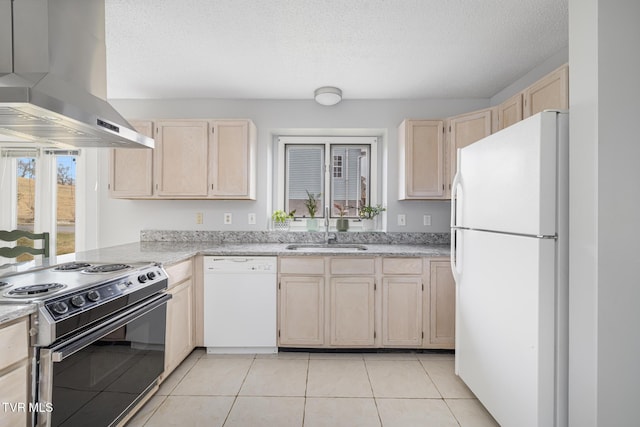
(240, 304)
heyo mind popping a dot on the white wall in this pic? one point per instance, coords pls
(604, 377)
(120, 221)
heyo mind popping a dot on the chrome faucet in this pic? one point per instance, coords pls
(327, 240)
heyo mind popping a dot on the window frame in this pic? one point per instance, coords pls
(327, 142)
(45, 219)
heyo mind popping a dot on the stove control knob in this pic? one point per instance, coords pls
(78, 301)
(142, 278)
(151, 275)
(93, 296)
(59, 307)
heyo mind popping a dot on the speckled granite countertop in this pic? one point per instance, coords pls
(172, 252)
(15, 311)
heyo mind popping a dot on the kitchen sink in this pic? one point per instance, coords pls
(328, 247)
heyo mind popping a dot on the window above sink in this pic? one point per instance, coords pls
(338, 171)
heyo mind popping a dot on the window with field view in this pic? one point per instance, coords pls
(26, 203)
(66, 204)
(27, 186)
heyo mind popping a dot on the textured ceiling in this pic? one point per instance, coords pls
(285, 49)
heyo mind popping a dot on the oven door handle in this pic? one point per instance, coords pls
(66, 349)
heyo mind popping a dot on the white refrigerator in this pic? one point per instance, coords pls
(510, 262)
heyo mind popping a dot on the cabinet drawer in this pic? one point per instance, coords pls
(179, 272)
(301, 265)
(15, 341)
(359, 266)
(402, 266)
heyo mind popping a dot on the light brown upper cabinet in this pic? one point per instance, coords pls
(510, 111)
(233, 160)
(421, 160)
(550, 92)
(131, 170)
(464, 130)
(192, 159)
(181, 158)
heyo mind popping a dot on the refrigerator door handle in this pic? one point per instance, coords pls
(455, 270)
(454, 215)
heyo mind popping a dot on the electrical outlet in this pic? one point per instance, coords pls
(227, 218)
(251, 218)
(426, 220)
(402, 220)
(198, 217)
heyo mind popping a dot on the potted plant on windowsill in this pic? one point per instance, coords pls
(312, 207)
(368, 214)
(342, 223)
(282, 220)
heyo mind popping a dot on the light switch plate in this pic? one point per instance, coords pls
(228, 218)
(198, 217)
(251, 218)
(427, 220)
(402, 220)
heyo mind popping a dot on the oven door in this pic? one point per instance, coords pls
(97, 376)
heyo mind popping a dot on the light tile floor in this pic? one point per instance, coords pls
(314, 390)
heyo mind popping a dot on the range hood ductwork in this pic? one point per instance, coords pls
(53, 77)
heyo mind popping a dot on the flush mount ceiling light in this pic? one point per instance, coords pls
(328, 95)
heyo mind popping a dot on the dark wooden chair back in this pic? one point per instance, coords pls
(15, 251)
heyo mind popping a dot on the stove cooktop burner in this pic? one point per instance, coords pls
(30, 290)
(107, 268)
(72, 266)
(3, 284)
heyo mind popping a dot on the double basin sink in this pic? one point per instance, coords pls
(326, 247)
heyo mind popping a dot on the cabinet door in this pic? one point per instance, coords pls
(352, 311)
(550, 92)
(181, 158)
(402, 311)
(131, 170)
(180, 332)
(14, 389)
(465, 130)
(301, 313)
(14, 372)
(510, 111)
(233, 160)
(442, 305)
(421, 157)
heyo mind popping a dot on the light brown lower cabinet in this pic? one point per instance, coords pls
(15, 377)
(402, 311)
(301, 322)
(179, 341)
(370, 303)
(180, 331)
(442, 308)
(352, 311)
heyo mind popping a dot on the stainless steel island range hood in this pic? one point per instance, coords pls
(53, 77)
